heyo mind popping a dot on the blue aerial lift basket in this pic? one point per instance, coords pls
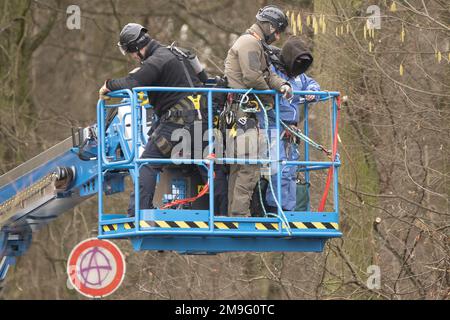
(199, 231)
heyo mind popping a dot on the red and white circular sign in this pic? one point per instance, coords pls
(96, 268)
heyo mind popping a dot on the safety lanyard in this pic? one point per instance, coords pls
(181, 56)
(267, 50)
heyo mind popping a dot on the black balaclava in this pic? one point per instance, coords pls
(295, 57)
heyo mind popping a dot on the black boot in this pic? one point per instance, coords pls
(271, 209)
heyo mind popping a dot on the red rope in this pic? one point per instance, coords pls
(192, 199)
(323, 201)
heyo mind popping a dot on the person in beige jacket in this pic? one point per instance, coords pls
(247, 67)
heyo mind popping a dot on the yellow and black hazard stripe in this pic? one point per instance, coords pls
(110, 227)
(114, 227)
(129, 226)
(298, 225)
(226, 225)
(174, 224)
(271, 226)
(266, 226)
(314, 225)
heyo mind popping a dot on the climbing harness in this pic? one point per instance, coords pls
(196, 102)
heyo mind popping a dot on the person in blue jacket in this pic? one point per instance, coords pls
(290, 62)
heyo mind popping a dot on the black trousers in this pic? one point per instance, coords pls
(148, 173)
(221, 190)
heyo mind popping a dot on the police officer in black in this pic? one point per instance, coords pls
(161, 66)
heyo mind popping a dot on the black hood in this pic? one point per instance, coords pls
(295, 57)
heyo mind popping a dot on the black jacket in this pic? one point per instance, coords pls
(161, 68)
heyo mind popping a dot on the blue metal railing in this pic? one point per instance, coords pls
(133, 163)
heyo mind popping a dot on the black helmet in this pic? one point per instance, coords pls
(275, 16)
(133, 38)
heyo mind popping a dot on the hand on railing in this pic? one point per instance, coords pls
(102, 93)
(287, 92)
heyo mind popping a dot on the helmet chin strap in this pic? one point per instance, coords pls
(140, 56)
(271, 38)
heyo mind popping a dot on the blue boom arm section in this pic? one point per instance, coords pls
(40, 190)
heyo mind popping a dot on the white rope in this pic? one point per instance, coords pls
(266, 129)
